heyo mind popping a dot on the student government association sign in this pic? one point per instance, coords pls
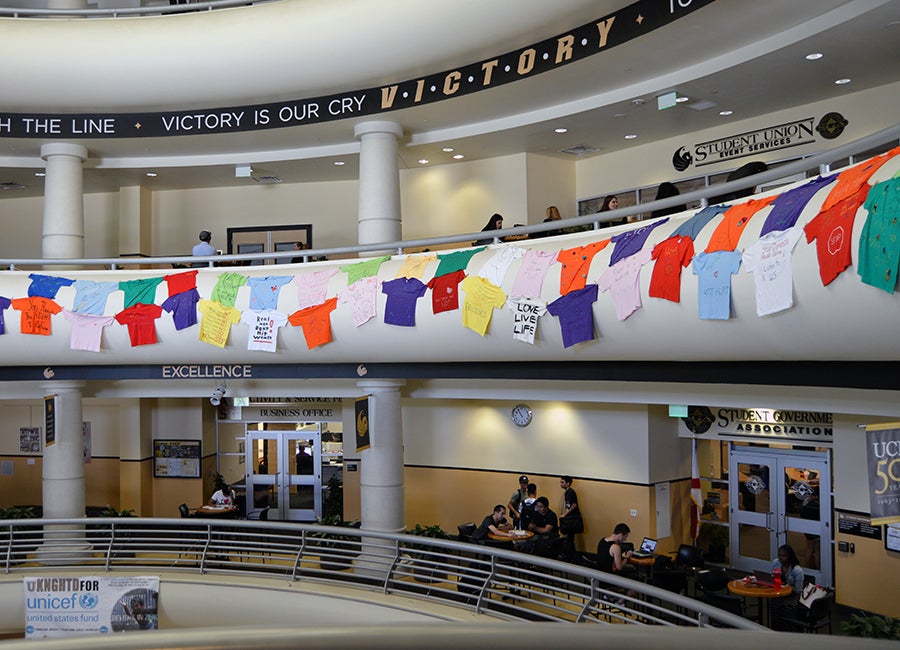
(59, 606)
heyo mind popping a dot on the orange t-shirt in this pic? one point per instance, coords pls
(850, 180)
(576, 262)
(727, 234)
(36, 314)
(316, 322)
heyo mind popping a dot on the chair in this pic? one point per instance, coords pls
(184, 510)
(465, 531)
(666, 577)
(689, 558)
(259, 515)
(712, 588)
(814, 618)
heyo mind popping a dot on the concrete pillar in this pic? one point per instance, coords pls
(381, 465)
(66, 4)
(379, 182)
(63, 233)
(135, 205)
(63, 470)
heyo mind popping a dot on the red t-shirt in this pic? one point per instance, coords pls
(139, 319)
(671, 256)
(832, 229)
(181, 282)
(445, 291)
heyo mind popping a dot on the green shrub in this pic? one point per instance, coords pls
(871, 626)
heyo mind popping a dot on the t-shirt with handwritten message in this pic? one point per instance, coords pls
(36, 314)
(445, 291)
(850, 180)
(728, 233)
(671, 256)
(769, 260)
(833, 229)
(530, 278)
(87, 330)
(714, 271)
(526, 312)
(183, 307)
(630, 242)
(623, 281)
(879, 241)
(495, 268)
(178, 282)
(140, 291)
(312, 288)
(4, 304)
(227, 287)
(46, 286)
(91, 296)
(217, 321)
(264, 291)
(414, 265)
(361, 298)
(402, 296)
(363, 269)
(576, 315)
(264, 325)
(482, 297)
(316, 322)
(140, 319)
(456, 261)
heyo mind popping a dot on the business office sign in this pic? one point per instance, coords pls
(883, 455)
(634, 21)
(773, 425)
(76, 606)
(295, 409)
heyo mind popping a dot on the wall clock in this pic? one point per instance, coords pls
(521, 415)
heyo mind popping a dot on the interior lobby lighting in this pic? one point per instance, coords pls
(423, 161)
(40, 174)
(631, 136)
(841, 82)
(339, 163)
(243, 171)
(726, 113)
(152, 174)
(448, 150)
(814, 56)
(561, 130)
(458, 156)
(682, 99)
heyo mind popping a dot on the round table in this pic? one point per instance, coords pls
(213, 511)
(516, 536)
(764, 592)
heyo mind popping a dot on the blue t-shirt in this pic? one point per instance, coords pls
(787, 207)
(91, 297)
(576, 315)
(183, 307)
(714, 271)
(46, 286)
(264, 291)
(402, 295)
(692, 227)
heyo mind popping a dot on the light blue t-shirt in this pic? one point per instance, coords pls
(264, 291)
(91, 297)
(714, 271)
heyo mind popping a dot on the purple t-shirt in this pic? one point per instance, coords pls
(46, 286)
(183, 307)
(629, 243)
(402, 295)
(4, 305)
(787, 207)
(576, 316)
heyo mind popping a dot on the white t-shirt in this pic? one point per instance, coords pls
(769, 260)
(222, 499)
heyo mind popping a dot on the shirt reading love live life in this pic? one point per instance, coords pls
(526, 312)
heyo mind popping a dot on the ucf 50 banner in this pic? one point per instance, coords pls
(883, 451)
(75, 606)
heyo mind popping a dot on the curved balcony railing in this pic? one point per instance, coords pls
(487, 580)
(116, 12)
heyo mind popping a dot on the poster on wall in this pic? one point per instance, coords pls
(883, 455)
(30, 440)
(49, 420)
(77, 606)
(176, 458)
(362, 423)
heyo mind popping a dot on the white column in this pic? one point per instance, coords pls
(63, 470)
(66, 4)
(381, 465)
(63, 234)
(379, 182)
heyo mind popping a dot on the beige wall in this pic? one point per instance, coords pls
(550, 181)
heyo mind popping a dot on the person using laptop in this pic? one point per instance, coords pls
(611, 558)
(791, 574)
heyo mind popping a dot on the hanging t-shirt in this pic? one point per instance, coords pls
(264, 291)
(787, 207)
(728, 233)
(179, 282)
(183, 307)
(692, 227)
(445, 291)
(87, 330)
(402, 294)
(4, 305)
(629, 243)
(140, 319)
(482, 297)
(227, 287)
(495, 268)
(850, 180)
(576, 315)
(879, 241)
(623, 281)
(365, 269)
(46, 286)
(833, 229)
(714, 271)
(36, 314)
(312, 287)
(316, 322)
(456, 261)
(217, 321)
(91, 297)
(671, 256)
(526, 312)
(264, 325)
(140, 291)
(769, 260)
(361, 298)
(414, 265)
(576, 263)
(530, 279)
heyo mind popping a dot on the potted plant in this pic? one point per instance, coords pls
(340, 549)
(871, 626)
(420, 555)
(121, 531)
(713, 539)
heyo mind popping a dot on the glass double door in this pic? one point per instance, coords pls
(780, 497)
(284, 472)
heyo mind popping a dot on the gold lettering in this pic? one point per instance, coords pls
(603, 27)
(420, 86)
(451, 82)
(564, 48)
(526, 61)
(488, 68)
(387, 96)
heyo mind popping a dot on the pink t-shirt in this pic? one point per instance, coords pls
(530, 278)
(87, 330)
(361, 299)
(312, 287)
(623, 280)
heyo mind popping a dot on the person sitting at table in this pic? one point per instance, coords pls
(223, 498)
(791, 574)
(494, 523)
(545, 526)
(611, 559)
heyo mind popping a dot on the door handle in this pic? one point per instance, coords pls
(769, 521)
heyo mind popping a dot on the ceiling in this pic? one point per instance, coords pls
(740, 56)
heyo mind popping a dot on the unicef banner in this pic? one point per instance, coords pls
(883, 451)
(74, 606)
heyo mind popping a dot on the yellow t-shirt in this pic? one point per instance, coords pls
(481, 299)
(217, 321)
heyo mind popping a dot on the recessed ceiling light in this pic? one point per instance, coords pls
(631, 136)
(561, 130)
(40, 174)
(458, 156)
(423, 161)
(339, 163)
(682, 99)
(841, 82)
(447, 149)
(152, 174)
(815, 56)
(726, 113)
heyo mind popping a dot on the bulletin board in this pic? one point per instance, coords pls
(176, 458)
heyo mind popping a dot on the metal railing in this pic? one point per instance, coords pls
(822, 160)
(117, 12)
(503, 583)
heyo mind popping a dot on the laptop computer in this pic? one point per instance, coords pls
(647, 549)
(763, 578)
